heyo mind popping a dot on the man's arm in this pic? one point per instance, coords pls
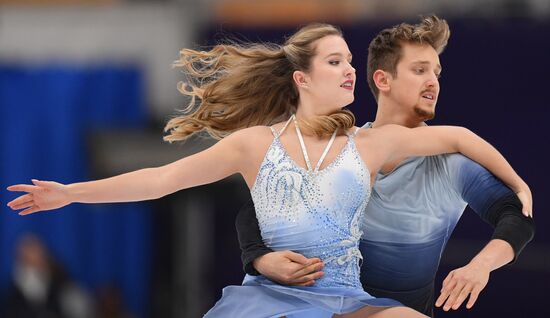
(498, 206)
(250, 238)
(510, 224)
(284, 267)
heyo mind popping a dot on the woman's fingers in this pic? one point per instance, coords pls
(44, 184)
(30, 210)
(20, 200)
(527, 202)
(23, 188)
(23, 205)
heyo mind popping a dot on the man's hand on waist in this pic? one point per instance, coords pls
(289, 268)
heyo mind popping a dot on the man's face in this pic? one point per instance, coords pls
(416, 86)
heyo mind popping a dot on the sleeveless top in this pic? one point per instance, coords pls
(314, 212)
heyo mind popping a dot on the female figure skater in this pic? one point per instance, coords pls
(309, 170)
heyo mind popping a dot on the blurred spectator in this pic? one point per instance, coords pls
(40, 288)
(110, 305)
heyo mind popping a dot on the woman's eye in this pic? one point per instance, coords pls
(419, 70)
(334, 62)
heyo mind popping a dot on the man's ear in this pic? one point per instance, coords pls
(301, 79)
(382, 80)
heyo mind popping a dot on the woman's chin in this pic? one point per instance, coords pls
(348, 102)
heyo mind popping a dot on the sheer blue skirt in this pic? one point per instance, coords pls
(260, 297)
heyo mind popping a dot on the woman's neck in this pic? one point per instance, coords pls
(309, 111)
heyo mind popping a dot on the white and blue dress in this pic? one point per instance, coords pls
(316, 213)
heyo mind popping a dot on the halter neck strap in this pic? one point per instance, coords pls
(303, 146)
(284, 127)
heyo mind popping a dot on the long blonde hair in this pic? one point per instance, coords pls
(244, 85)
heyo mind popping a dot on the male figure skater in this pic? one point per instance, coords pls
(416, 202)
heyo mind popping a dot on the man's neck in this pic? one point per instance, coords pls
(392, 114)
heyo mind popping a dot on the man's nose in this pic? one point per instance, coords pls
(433, 82)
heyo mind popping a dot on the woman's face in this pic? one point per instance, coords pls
(330, 82)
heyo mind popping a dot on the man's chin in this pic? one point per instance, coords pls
(424, 114)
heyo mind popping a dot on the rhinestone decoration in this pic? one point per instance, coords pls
(316, 214)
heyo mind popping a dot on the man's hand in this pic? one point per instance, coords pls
(464, 281)
(289, 268)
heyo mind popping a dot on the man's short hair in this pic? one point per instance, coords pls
(385, 49)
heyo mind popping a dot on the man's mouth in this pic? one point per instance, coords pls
(429, 96)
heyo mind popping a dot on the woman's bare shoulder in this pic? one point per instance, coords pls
(250, 131)
(253, 132)
(254, 136)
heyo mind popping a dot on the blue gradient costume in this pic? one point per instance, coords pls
(412, 212)
(408, 221)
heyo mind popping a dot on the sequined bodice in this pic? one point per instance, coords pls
(314, 212)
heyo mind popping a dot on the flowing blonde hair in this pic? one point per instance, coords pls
(244, 85)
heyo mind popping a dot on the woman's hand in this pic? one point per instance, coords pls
(524, 195)
(42, 196)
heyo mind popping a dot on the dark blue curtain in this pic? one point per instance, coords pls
(45, 114)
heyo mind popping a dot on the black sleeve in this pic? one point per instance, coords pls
(250, 238)
(493, 201)
(510, 224)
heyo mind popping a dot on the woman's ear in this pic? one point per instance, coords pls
(300, 79)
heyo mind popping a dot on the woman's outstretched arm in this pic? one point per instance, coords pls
(402, 142)
(215, 163)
